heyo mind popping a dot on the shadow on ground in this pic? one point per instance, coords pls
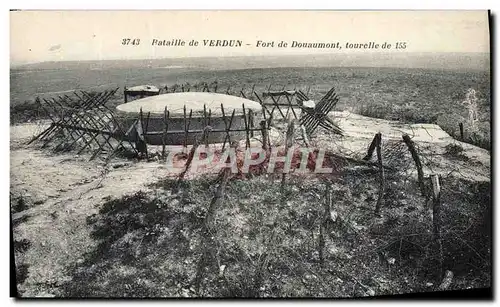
(150, 244)
(146, 248)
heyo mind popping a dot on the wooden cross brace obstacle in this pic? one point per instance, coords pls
(271, 101)
(82, 120)
(318, 116)
(285, 107)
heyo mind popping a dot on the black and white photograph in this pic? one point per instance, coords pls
(250, 154)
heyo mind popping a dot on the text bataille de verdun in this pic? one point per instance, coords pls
(238, 43)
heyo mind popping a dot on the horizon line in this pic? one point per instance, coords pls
(243, 56)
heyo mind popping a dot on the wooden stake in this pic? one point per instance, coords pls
(304, 136)
(288, 144)
(436, 204)
(418, 164)
(265, 135)
(225, 125)
(189, 160)
(208, 227)
(166, 115)
(446, 283)
(276, 106)
(219, 193)
(228, 127)
(252, 91)
(185, 127)
(382, 175)
(188, 126)
(327, 205)
(436, 216)
(208, 131)
(246, 126)
(251, 122)
(141, 142)
(461, 127)
(371, 149)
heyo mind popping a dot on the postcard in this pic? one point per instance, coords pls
(250, 154)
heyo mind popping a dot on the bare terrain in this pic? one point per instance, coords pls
(116, 229)
(127, 228)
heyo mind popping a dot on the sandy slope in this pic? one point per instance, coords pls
(430, 140)
(62, 190)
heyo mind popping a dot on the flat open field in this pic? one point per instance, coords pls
(96, 229)
(408, 94)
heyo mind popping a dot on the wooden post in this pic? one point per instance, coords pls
(446, 283)
(290, 106)
(321, 243)
(277, 107)
(224, 176)
(205, 123)
(242, 92)
(382, 175)
(166, 115)
(272, 239)
(265, 135)
(228, 128)
(246, 127)
(125, 94)
(436, 204)
(418, 164)
(252, 91)
(304, 135)
(208, 131)
(188, 126)
(189, 160)
(251, 122)
(461, 126)
(288, 144)
(185, 127)
(147, 124)
(142, 147)
(324, 221)
(207, 226)
(227, 137)
(371, 149)
(436, 216)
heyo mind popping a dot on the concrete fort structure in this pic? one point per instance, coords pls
(206, 108)
(140, 91)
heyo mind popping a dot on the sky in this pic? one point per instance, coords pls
(38, 36)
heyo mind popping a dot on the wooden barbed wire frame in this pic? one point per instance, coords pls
(85, 118)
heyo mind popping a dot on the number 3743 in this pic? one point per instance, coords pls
(131, 41)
